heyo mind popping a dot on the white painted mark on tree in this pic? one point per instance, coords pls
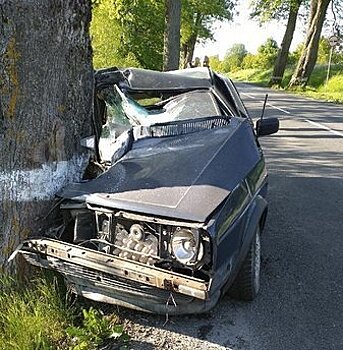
(41, 183)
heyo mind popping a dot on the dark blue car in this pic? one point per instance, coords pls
(170, 213)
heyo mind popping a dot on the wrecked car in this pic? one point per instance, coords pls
(171, 216)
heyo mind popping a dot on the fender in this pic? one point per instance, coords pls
(257, 212)
(257, 216)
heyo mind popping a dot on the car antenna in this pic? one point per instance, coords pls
(264, 106)
(263, 111)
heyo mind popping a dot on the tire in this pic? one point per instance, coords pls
(247, 283)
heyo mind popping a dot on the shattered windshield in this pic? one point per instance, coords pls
(189, 105)
(123, 112)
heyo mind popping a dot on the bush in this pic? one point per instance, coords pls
(335, 84)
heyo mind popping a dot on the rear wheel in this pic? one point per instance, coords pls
(247, 282)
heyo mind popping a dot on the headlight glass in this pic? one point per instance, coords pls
(186, 246)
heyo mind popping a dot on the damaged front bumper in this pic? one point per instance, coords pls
(101, 277)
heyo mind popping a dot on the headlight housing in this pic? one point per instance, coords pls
(186, 246)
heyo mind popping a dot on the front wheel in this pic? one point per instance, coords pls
(247, 282)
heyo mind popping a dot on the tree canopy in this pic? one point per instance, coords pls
(126, 32)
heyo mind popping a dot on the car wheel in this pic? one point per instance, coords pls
(247, 282)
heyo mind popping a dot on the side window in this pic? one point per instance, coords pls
(116, 126)
(235, 93)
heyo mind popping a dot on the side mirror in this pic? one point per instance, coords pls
(267, 126)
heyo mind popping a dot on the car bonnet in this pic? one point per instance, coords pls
(184, 177)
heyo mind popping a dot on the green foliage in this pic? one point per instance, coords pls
(267, 10)
(267, 53)
(94, 329)
(250, 61)
(323, 51)
(234, 58)
(36, 316)
(128, 33)
(316, 88)
(131, 33)
(32, 318)
(254, 75)
(215, 63)
(335, 84)
(198, 17)
(105, 33)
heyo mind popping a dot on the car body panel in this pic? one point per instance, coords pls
(145, 180)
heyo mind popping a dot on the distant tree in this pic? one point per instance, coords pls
(198, 17)
(266, 10)
(309, 54)
(215, 63)
(267, 53)
(234, 57)
(171, 52)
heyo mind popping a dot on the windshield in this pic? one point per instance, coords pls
(123, 112)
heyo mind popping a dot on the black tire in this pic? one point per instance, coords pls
(247, 283)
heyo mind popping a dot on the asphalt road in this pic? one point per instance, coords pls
(300, 305)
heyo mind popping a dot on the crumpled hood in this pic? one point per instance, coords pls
(183, 177)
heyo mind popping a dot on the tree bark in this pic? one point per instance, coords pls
(309, 54)
(171, 54)
(281, 61)
(46, 104)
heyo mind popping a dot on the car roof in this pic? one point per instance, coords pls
(144, 80)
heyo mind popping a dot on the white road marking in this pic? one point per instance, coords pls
(321, 126)
(251, 96)
(278, 108)
(318, 125)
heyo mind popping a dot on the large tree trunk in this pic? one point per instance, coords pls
(46, 102)
(309, 54)
(171, 54)
(281, 61)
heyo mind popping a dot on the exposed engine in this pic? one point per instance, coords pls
(136, 244)
(136, 241)
(167, 246)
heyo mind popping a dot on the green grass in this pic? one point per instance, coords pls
(40, 316)
(316, 87)
(253, 75)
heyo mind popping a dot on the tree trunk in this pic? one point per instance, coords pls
(281, 61)
(309, 54)
(46, 103)
(171, 54)
(189, 46)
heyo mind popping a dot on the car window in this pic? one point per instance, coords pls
(123, 112)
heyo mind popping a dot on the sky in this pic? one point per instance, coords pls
(248, 32)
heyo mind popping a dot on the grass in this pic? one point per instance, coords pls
(316, 87)
(41, 316)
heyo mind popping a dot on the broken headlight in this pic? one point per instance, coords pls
(186, 246)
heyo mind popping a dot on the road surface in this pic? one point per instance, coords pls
(300, 305)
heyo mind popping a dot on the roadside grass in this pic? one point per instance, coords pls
(42, 316)
(316, 88)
